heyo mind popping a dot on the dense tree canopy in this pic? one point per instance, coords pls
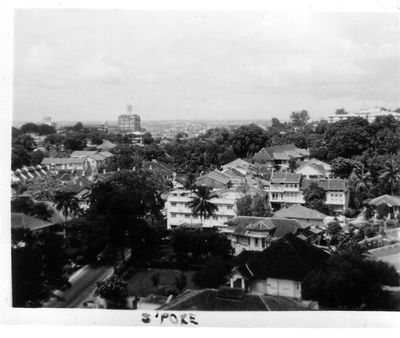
(350, 282)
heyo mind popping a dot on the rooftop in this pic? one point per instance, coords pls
(230, 299)
(300, 212)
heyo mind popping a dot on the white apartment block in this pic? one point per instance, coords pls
(368, 113)
(287, 189)
(179, 213)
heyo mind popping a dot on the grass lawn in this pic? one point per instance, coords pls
(141, 283)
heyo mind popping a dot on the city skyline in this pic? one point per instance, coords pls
(202, 65)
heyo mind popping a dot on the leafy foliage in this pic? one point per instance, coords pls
(350, 282)
(114, 290)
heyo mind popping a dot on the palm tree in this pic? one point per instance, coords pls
(200, 203)
(67, 203)
(360, 181)
(391, 175)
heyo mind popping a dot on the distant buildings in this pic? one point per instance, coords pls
(368, 113)
(128, 123)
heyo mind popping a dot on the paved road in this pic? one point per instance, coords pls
(82, 287)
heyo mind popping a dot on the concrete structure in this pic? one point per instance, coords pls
(179, 212)
(368, 113)
(287, 189)
(129, 122)
(393, 202)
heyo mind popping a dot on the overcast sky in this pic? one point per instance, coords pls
(89, 64)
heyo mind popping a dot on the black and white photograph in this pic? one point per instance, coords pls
(172, 164)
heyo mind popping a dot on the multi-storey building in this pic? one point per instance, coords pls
(128, 123)
(287, 189)
(180, 214)
(368, 113)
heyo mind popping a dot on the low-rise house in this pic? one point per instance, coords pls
(106, 146)
(314, 169)
(55, 164)
(280, 269)
(280, 155)
(179, 212)
(393, 202)
(257, 233)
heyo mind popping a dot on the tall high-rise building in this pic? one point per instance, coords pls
(129, 122)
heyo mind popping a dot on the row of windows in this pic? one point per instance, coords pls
(214, 217)
(186, 205)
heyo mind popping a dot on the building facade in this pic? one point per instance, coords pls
(287, 189)
(180, 214)
(368, 113)
(128, 123)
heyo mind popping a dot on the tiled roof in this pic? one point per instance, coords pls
(60, 160)
(333, 184)
(216, 176)
(386, 199)
(280, 152)
(83, 153)
(97, 157)
(315, 166)
(281, 226)
(285, 177)
(288, 258)
(21, 220)
(300, 212)
(106, 154)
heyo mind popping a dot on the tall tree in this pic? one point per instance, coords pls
(299, 118)
(391, 175)
(67, 203)
(200, 202)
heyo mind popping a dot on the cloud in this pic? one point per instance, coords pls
(103, 71)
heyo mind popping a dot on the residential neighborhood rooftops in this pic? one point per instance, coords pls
(298, 211)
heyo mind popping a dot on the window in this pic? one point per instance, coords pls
(187, 216)
(173, 215)
(173, 204)
(229, 207)
(256, 241)
(243, 240)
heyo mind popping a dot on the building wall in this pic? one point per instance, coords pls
(240, 243)
(291, 194)
(310, 172)
(178, 212)
(277, 287)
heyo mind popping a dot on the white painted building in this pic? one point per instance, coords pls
(368, 113)
(179, 212)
